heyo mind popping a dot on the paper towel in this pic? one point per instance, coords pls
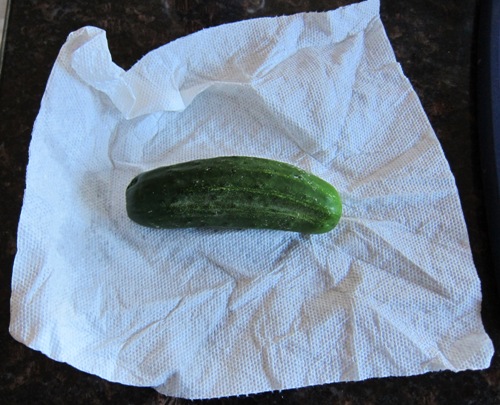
(199, 313)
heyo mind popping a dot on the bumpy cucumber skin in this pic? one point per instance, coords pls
(234, 192)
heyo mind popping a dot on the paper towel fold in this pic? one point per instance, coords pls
(392, 291)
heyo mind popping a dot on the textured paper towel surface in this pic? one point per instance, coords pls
(203, 313)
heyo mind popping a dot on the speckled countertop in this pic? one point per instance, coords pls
(433, 40)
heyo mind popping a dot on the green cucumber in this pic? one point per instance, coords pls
(233, 192)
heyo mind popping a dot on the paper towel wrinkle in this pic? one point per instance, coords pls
(421, 339)
(461, 350)
(256, 288)
(89, 57)
(92, 61)
(399, 168)
(157, 361)
(142, 90)
(300, 134)
(413, 270)
(249, 290)
(313, 135)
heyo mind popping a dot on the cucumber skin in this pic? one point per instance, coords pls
(233, 192)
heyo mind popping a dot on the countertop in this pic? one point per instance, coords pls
(435, 43)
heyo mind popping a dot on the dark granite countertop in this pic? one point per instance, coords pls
(435, 42)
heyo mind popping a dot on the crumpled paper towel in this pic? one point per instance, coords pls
(195, 313)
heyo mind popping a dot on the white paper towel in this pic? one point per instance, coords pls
(392, 291)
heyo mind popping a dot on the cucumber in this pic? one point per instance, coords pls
(233, 192)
